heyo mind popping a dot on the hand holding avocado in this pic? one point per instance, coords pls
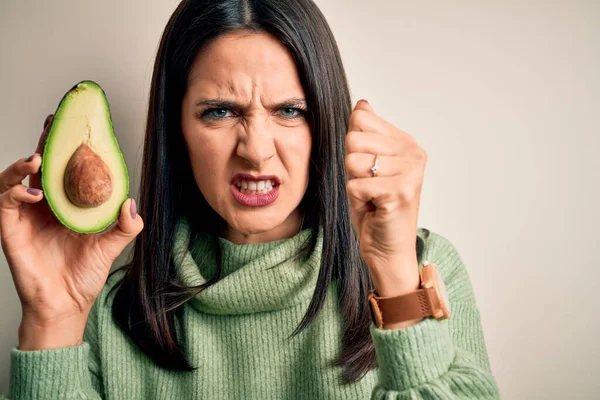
(56, 241)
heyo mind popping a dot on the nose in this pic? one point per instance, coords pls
(255, 144)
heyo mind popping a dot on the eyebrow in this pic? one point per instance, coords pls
(223, 103)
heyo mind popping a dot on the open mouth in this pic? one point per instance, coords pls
(254, 191)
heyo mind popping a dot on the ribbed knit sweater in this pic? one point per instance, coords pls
(238, 335)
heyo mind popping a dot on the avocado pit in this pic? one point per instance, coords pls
(88, 181)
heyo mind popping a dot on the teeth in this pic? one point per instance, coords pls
(253, 187)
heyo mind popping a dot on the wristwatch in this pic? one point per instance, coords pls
(430, 300)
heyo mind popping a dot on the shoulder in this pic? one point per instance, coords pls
(443, 253)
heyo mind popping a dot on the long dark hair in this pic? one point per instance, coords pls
(146, 304)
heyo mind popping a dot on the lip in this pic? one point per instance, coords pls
(258, 199)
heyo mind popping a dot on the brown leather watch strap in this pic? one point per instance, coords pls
(403, 308)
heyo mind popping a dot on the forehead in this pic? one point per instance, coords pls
(243, 62)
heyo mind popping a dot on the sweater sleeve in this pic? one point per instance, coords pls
(437, 359)
(62, 373)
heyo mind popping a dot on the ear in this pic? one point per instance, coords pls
(363, 105)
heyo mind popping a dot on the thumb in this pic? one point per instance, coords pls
(130, 224)
(363, 105)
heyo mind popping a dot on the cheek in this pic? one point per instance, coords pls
(296, 151)
(305, 147)
(208, 159)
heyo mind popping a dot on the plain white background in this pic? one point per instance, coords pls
(503, 95)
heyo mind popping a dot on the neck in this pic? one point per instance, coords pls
(254, 277)
(287, 229)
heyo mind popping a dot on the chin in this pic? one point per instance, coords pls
(252, 228)
(252, 223)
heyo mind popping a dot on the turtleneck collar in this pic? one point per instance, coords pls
(255, 277)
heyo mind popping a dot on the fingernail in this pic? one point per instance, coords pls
(48, 119)
(34, 191)
(30, 158)
(133, 209)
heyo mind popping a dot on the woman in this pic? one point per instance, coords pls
(269, 209)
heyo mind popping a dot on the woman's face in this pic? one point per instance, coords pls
(247, 137)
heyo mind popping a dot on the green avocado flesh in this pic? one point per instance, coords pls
(84, 175)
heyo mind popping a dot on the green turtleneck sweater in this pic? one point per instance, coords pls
(237, 332)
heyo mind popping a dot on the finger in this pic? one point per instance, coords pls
(364, 118)
(372, 142)
(358, 165)
(48, 119)
(130, 224)
(15, 173)
(34, 179)
(12, 200)
(44, 135)
(385, 193)
(363, 104)
(363, 193)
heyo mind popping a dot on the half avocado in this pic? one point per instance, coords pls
(84, 175)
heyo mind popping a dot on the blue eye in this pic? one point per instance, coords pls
(216, 113)
(290, 112)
